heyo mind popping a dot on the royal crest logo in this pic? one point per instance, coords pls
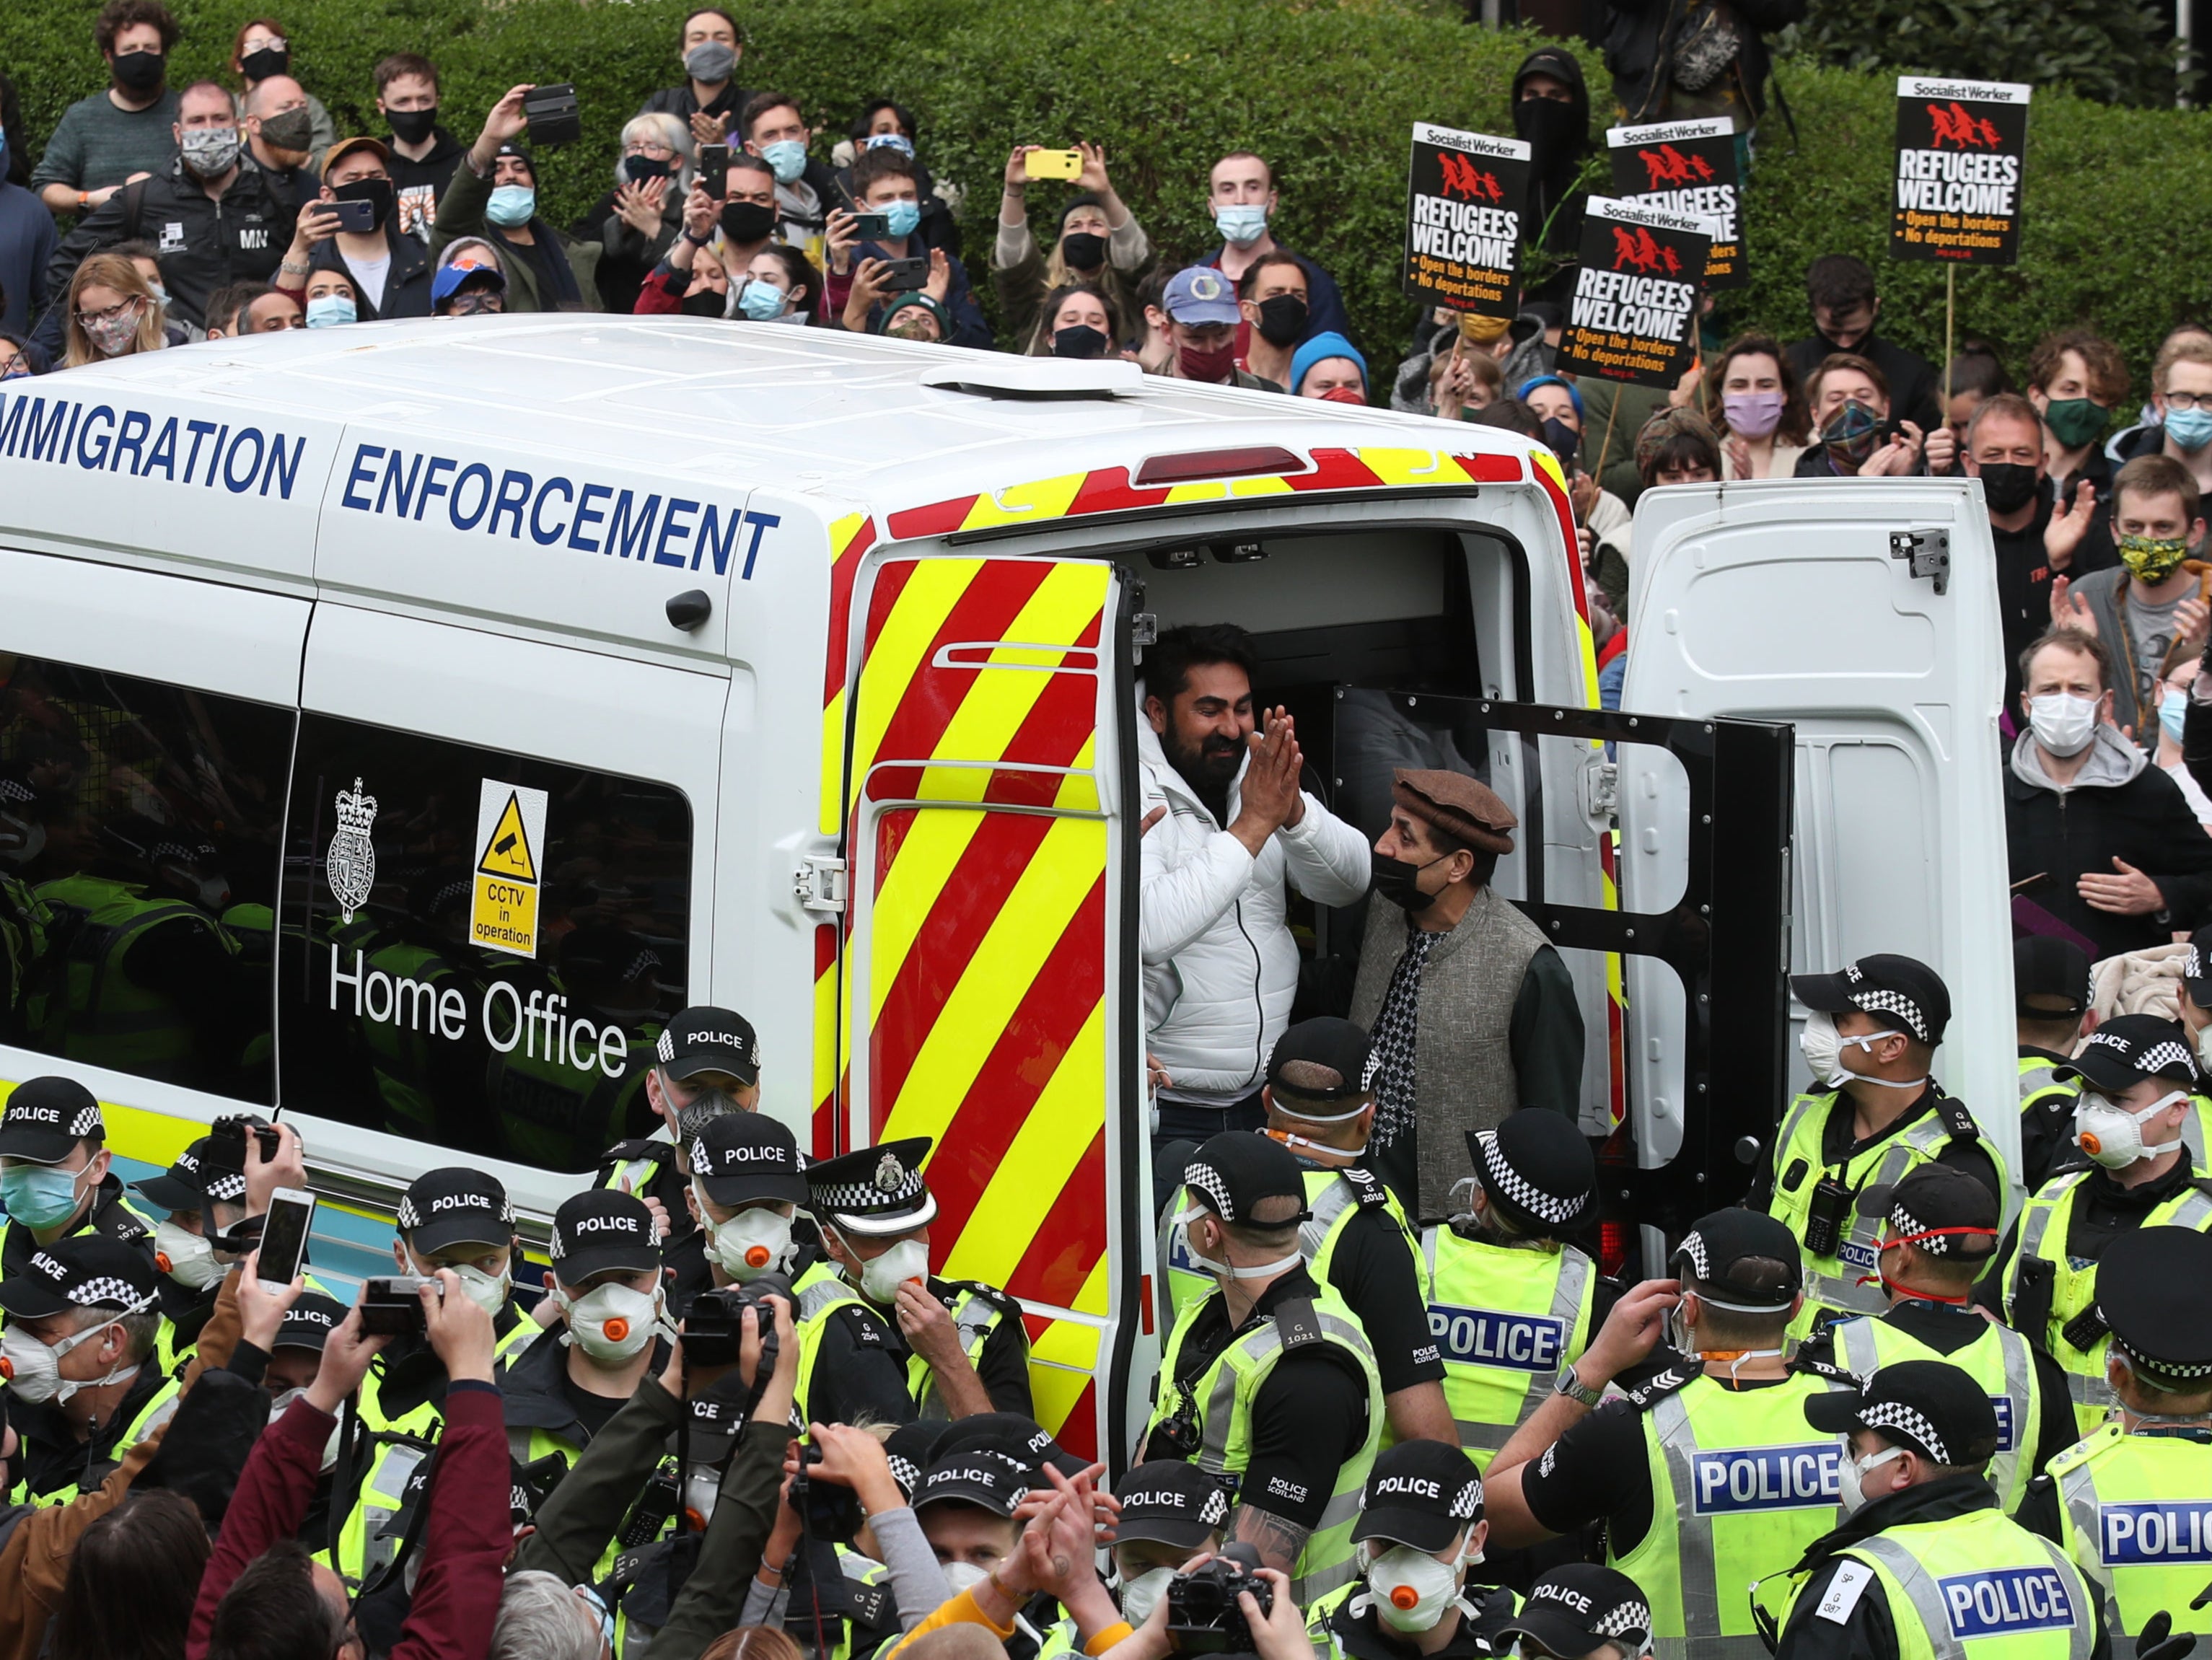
(888, 1173)
(351, 866)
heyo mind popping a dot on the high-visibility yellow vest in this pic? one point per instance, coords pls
(1218, 1406)
(1999, 1360)
(1505, 1318)
(1973, 1587)
(160, 1408)
(2043, 1228)
(1493, 1601)
(1334, 1197)
(2037, 1087)
(102, 1017)
(1846, 1280)
(2135, 1515)
(974, 1317)
(1741, 1485)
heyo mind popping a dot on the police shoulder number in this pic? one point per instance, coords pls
(1851, 1579)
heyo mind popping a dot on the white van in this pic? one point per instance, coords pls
(398, 723)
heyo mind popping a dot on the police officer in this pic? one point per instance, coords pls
(1171, 1511)
(79, 1345)
(55, 1179)
(705, 1061)
(1873, 1114)
(2051, 1007)
(2137, 1076)
(1926, 1564)
(1421, 1529)
(1269, 1385)
(202, 1195)
(1939, 1230)
(2132, 1504)
(961, 1343)
(289, 1372)
(1510, 1302)
(1580, 1611)
(747, 1184)
(1704, 1475)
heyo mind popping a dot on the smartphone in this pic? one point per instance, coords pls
(1053, 164)
(871, 226)
(358, 217)
(391, 1306)
(551, 113)
(284, 1237)
(904, 276)
(715, 169)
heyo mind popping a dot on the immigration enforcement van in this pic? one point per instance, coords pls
(399, 723)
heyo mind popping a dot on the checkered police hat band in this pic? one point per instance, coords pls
(904, 1192)
(93, 1292)
(227, 1188)
(1896, 1004)
(1207, 1180)
(1629, 1619)
(2163, 1368)
(1896, 1415)
(1502, 1180)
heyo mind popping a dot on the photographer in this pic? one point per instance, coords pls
(494, 195)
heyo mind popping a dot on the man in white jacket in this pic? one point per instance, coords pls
(1227, 827)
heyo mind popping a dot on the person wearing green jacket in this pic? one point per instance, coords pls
(494, 196)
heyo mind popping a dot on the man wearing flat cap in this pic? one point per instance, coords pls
(1473, 1012)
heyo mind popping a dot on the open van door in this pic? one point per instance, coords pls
(1863, 613)
(990, 971)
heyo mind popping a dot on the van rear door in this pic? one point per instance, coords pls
(1863, 613)
(991, 909)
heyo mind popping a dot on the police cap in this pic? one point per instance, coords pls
(202, 1171)
(1422, 1494)
(705, 1039)
(45, 1119)
(1537, 1169)
(599, 1230)
(309, 1321)
(1900, 990)
(1578, 1608)
(1170, 1501)
(908, 1449)
(2150, 1289)
(2053, 972)
(2127, 1048)
(740, 1157)
(1720, 1252)
(1021, 1438)
(1317, 1051)
(873, 1191)
(1930, 1406)
(90, 1271)
(1235, 1172)
(454, 1206)
(976, 1476)
(1938, 1209)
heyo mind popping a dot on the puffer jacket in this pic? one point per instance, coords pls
(1220, 967)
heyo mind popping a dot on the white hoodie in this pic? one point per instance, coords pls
(1220, 967)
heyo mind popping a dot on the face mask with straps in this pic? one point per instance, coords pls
(1680, 1337)
(1823, 1047)
(1883, 1246)
(1224, 1272)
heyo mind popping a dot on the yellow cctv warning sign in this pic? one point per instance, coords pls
(510, 835)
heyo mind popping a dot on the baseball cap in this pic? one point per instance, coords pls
(454, 1206)
(1170, 1501)
(202, 1171)
(599, 1228)
(705, 1039)
(1422, 1494)
(908, 1449)
(1334, 1045)
(739, 1157)
(2197, 968)
(449, 279)
(309, 1321)
(1900, 989)
(1931, 1405)
(2150, 1289)
(980, 1475)
(1201, 295)
(1718, 1248)
(46, 1117)
(873, 1191)
(345, 147)
(1021, 1438)
(90, 1271)
(1938, 1208)
(2126, 1050)
(1235, 1172)
(2053, 971)
(1574, 1609)
(1537, 1169)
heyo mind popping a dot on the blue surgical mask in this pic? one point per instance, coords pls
(327, 311)
(788, 156)
(2192, 430)
(901, 217)
(39, 1195)
(2172, 710)
(763, 302)
(511, 206)
(1243, 223)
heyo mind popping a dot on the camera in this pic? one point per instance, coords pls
(1825, 1207)
(713, 1326)
(232, 1129)
(830, 1509)
(551, 113)
(1204, 1616)
(391, 1307)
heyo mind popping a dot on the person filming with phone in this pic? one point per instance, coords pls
(875, 256)
(353, 228)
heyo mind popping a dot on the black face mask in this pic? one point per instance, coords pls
(1282, 319)
(139, 72)
(642, 168)
(378, 193)
(1550, 126)
(747, 221)
(705, 303)
(1563, 440)
(412, 126)
(1397, 882)
(2008, 486)
(292, 132)
(269, 60)
(1083, 250)
(1080, 341)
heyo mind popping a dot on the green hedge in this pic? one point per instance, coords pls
(2119, 51)
(2119, 200)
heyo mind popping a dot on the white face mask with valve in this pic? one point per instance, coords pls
(881, 1275)
(187, 1257)
(1140, 1596)
(751, 1243)
(487, 1291)
(1823, 1048)
(2112, 1135)
(1410, 1591)
(611, 1324)
(33, 1370)
(1852, 1492)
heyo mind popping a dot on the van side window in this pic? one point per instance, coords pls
(138, 846)
(478, 950)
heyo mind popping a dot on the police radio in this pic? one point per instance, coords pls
(654, 1510)
(1178, 1434)
(1825, 1207)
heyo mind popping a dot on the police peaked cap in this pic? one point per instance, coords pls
(1170, 1501)
(601, 1229)
(1537, 1169)
(1236, 1171)
(2151, 1290)
(46, 1117)
(454, 1206)
(1934, 1408)
(1902, 992)
(874, 1190)
(1422, 1494)
(1718, 1244)
(1574, 1609)
(739, 1157)
(2128, 1048)
(1021, 1438)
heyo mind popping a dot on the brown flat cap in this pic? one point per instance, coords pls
(1463, 808)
